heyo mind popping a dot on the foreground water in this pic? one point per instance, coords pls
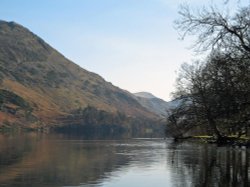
(51, 160)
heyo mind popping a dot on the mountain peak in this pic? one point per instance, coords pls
(6, 25)
(8, 22)
(18, 44)
(144, 95)
(155, 104)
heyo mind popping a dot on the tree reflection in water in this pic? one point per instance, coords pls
(205, 165)
(52, 160)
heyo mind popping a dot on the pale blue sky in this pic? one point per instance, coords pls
(131, 43)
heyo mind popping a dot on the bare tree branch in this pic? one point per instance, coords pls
(216, 30)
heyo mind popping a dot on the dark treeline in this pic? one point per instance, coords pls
(214, 92)
(91, 122)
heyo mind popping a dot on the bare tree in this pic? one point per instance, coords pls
(198, 109)
(217, 90)
(215, 29)
(216, 94)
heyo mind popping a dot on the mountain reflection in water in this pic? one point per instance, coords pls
(52, 160)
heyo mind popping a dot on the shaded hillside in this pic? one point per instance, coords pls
(50, 84)
(155, 104)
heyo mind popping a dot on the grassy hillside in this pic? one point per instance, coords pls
(51, 85)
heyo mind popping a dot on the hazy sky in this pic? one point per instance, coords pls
(131, 43)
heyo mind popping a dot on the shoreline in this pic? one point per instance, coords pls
(224, 141)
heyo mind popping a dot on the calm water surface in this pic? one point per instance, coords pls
(51, 160)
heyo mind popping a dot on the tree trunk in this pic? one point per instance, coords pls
(212, 124)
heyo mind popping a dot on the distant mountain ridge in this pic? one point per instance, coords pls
(38, 85)
(155, 104)
(144, 95)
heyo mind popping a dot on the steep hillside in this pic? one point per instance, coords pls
(155, 104)
(51, 85)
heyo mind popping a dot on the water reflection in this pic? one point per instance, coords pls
(53, 160)
(36, 160)
(208, 165)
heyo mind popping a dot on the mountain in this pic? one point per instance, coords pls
(144, 95)
(154, 104)
(39, 86)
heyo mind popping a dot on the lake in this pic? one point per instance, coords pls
(46, 160)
